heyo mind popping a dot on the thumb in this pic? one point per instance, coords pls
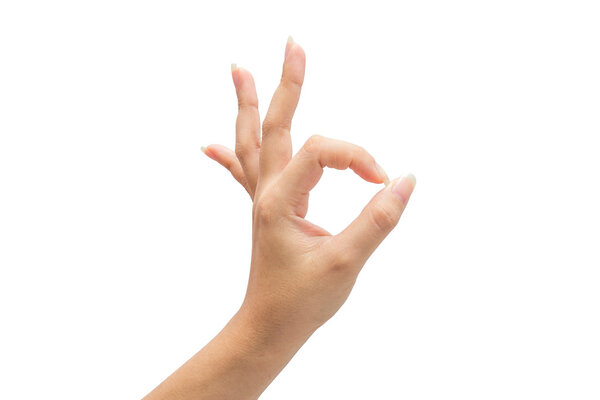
(376, 220)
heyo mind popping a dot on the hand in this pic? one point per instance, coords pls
(300, 274)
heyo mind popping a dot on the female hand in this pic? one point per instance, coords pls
(300, 274)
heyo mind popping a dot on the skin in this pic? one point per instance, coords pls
(300, 274)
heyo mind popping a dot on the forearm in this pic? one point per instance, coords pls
(239, 363)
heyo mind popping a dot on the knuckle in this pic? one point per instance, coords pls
(273, 125)
(342, 262)
(313, 143)
(265, 208)
(262, 212)
(384, 218)
(291, 83)
(268, 125)
(338, 258)
(247, 104)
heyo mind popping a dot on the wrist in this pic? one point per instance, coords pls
(256, 334)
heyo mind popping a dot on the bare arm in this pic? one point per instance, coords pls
(300, 274)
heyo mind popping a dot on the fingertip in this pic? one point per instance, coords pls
(245, 75)
(244, 85)
(292, 46)
(382, 174)
(295, 63)
(403, 187)
(296, 52)
(208, 152)
(412, 178)
(288, 46)
(235, 75)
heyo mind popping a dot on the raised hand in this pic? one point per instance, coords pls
(300, 274)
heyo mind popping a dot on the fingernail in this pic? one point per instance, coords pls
(208, 153)
(382, 174)
(235, 74)
(403, 187)
(288, 45)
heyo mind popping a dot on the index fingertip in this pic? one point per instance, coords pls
(288, 46)
(382, 174)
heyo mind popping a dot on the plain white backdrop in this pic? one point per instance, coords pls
(123, 249)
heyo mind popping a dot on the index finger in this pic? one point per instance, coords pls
(306, 168)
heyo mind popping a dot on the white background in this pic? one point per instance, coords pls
(123, 249)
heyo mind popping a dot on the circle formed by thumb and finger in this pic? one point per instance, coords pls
(306, 167)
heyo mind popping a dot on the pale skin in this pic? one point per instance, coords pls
(300, 274)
